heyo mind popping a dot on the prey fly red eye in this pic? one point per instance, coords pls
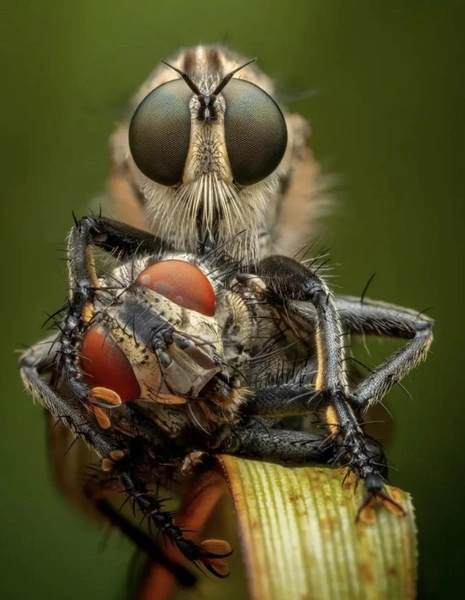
(106, 366)
(181, 282)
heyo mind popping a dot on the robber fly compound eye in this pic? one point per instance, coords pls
(159, 133)
(255, 131)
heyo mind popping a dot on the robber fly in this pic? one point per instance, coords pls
(164, 356)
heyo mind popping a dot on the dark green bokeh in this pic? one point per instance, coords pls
(387, 117)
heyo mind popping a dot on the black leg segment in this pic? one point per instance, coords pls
(382, 319)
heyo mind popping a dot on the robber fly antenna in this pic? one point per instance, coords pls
(223, 83)
(208, 100)
(187, 79)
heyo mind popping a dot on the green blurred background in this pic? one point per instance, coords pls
(387, 117)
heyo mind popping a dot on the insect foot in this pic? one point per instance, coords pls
(209, 553)
(375, 490)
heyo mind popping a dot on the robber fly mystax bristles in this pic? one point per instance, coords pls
(236, 171)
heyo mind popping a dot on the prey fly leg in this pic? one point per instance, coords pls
(90, 484)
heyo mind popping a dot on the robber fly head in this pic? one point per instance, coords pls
(204, 142)
(179, 116)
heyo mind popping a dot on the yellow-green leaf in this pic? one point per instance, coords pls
(300, 539)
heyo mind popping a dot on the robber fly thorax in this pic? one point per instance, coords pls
(209, 157)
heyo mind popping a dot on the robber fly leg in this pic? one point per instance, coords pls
(120, 240)
(361, 455)
(257, 439)
(115, 237)
(288, 282)
(382, 319)
(295, 287)
(36, 362)
(279, 401)
(43, 354)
